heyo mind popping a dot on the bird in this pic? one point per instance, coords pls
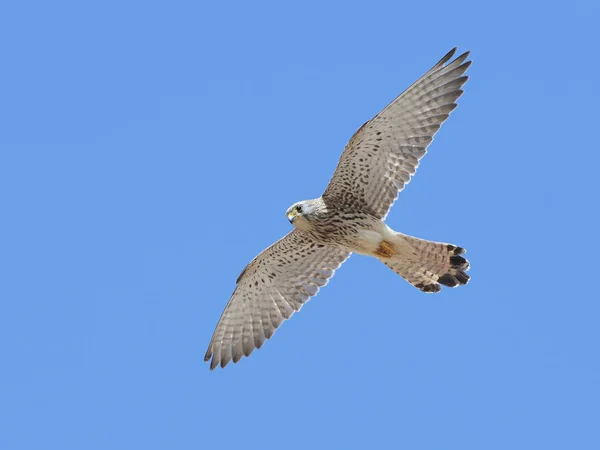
(376, 164)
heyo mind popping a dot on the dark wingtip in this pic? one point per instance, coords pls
(209, 354)
(464, 56)
(446, 57)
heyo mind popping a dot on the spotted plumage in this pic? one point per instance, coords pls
(377, 163)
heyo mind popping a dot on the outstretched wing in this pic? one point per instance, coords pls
(384, 153)
(269, 290)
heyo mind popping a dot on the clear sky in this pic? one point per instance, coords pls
(149, 151)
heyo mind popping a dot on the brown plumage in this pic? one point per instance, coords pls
(377, 163)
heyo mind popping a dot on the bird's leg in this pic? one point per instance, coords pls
(385, 250)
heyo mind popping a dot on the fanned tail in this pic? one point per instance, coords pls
(427, 265)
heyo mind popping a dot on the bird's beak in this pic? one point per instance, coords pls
(291, 216)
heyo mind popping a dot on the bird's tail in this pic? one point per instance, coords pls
(426, 264)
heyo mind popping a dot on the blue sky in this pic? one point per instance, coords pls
(149, 151)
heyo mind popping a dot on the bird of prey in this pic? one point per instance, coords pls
(378, 161)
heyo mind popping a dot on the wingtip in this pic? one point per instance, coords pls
(459, 59)
(213, 362)
(446, 57)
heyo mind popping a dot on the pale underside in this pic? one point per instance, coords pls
(377, 163)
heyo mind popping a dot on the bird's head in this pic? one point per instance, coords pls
(303, 214)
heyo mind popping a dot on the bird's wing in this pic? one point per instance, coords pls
(269, 290)
(384, 153)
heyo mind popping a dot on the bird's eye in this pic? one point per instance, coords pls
(299, 208)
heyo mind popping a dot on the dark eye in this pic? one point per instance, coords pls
(299, 208)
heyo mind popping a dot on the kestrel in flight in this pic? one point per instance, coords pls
(376, 164)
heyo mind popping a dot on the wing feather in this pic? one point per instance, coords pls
(270, 290)
(384, 153)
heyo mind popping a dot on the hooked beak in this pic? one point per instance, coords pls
(291, 216)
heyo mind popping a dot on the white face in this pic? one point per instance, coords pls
(296, 214)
